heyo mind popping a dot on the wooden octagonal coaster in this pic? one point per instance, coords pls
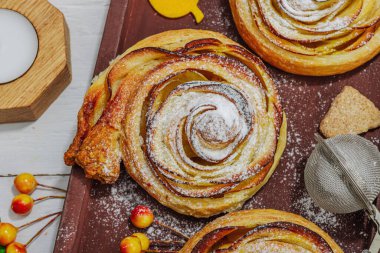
(27, 97)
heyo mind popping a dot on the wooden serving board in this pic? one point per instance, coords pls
(95, 216)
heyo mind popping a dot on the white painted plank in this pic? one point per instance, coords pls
(44, 243)
(38, 147)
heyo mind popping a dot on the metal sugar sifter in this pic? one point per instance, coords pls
(342, 175)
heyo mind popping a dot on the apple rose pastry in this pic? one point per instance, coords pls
(261, 231)
(310, 37)
(195, 118)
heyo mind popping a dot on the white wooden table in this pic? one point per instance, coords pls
(38, 147)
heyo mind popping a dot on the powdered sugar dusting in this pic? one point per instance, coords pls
(310, 211)
(110, 207)
(221, 20)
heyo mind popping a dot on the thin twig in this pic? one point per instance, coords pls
(160, 251)
(48, 197)
(166, 243)
(42, 230)
(37, 220)
(175, 231)
(51, 187)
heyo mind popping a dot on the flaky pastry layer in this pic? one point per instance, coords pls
(260, 231)
(195, 118)
(315, 38)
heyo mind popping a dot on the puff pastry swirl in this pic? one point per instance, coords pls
(310, 37)
(260, 231)
(195, 118)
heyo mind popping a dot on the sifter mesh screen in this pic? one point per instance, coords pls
(326, 183)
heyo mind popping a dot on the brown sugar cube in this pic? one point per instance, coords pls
(350, 113)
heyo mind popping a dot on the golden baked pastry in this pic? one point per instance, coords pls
(195, 118)
(261, 231)
(310, 37)
(350, 113)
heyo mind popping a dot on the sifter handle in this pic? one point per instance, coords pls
(375, 245)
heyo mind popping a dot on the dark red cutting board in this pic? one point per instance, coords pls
(95, 216)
